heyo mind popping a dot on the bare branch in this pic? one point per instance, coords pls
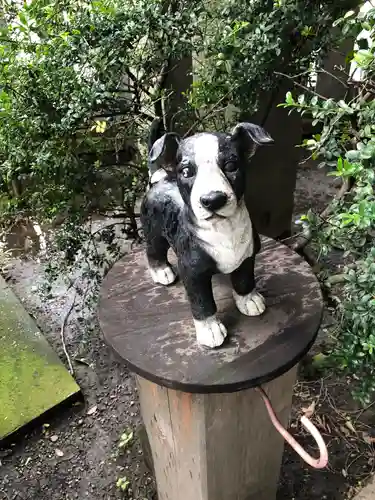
(335, 77)
(311, 91)
(63, 330)
(299, 241)
(210, 111)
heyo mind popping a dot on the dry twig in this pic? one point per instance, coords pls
(62, 333)
(299, 241)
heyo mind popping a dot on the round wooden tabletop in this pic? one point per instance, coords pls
(150, 326)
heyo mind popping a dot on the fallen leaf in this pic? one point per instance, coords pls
(344, 430)
(344, 473)
(309, 411)
(54, 438)
(45, 427)
(59, 453)
(82, 361)
(350, 426)
(92, 410)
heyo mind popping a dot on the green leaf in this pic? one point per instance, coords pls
(289, 99)
(125, 439)
(352, 155)
(363, 58)
(22, 17)
(122, 483)
(343, 105)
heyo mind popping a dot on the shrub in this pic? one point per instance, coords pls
(347, 145)
(81, 81)
(248, 44)
(77, 84)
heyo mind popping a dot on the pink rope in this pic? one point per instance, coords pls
(317, 463)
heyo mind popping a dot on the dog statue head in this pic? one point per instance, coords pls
(209, 168)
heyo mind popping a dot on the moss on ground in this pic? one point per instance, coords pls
(32, 377)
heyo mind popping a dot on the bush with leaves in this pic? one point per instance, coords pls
(249, 45)
(81, 81)
(77, 90)
(346, 144)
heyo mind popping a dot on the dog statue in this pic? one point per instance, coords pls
(195, 205)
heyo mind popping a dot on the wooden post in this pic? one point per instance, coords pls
(178, 80)
(271, 178)
(209, 433)
(215, 446)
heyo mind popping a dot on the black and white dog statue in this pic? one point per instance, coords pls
(195, 204)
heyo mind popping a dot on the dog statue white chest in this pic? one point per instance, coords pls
(229, 241)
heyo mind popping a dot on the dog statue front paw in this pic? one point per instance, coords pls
(252, 304)
(163, 275)
(210, 332)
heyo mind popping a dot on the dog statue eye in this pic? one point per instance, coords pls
(230, 166)
(187, 172)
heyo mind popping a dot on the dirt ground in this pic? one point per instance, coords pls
(75, 454)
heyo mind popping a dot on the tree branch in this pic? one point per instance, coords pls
(322, 70)
(210, 112)
(299, 241)
(62, 333)
(113, 114)
(311, 91)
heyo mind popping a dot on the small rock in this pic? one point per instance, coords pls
(59, 453)
(92, 410)
(54, 438)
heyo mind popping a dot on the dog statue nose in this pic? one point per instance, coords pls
(214, 200)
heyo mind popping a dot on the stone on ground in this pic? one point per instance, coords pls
(32, 377)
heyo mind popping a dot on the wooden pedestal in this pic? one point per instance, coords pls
(215, 446)
(210, 434)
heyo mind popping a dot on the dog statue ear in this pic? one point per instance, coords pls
(164, 150)
(162, 155)
(251, 136)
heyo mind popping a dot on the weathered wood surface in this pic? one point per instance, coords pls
(151, 328)
(215, 446)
